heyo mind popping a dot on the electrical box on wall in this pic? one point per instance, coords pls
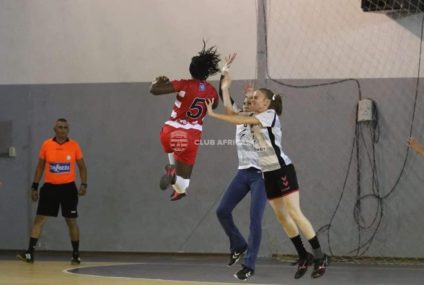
(366, 110)
(12, 151)
(6, 150)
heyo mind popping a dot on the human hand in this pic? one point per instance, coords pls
(209, 104)
(411, 141)
(248, 88)
(34, 195)
(228, 60)
(161, 79)
(82, 190)
(413, 144)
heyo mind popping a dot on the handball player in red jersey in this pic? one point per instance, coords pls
(181, 133)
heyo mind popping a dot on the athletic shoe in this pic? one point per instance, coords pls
(76, 260)
(320, 266)
(235, 256)
(27, 257)
(177, 196)
(244, 273)
(168, 178)
(302, 265)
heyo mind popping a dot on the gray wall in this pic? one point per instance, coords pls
(118, 124)
(118, 127)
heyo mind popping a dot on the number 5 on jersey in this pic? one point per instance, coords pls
(197, 108)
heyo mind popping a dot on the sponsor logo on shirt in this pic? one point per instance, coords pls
(60, 168)
(202, 86)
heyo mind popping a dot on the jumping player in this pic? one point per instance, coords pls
(182, 132)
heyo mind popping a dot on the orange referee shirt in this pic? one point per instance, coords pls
(60, 160)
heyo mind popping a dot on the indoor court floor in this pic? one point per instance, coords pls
(154, 269)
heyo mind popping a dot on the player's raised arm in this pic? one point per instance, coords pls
(224, 84)
(224, 87)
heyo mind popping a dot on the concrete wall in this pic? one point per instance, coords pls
(130, 41)
(92, 62)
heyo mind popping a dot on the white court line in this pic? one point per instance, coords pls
(158, 279)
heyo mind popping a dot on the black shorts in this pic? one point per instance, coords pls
(281, 182)
(53, 196)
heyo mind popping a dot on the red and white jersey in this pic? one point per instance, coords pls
(189, 107)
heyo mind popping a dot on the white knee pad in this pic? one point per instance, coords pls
(181, 184)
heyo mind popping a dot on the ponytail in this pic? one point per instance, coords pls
(276, 100)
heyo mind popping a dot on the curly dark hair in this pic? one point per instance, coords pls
(205, 63)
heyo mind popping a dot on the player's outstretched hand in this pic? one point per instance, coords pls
(209, 104)
(413, 144)
(412, 141)
(228, 60)
(161, 80)
(248, 88)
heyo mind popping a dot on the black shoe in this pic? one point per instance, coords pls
(320, 266)
(27, 257)
(177, 196)
(169, 177)
(244, 273)
(302, 265)
(235, 256)
(76, 260)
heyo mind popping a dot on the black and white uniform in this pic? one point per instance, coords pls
(279, 173)
(247, 156)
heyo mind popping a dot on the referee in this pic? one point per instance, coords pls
(57, 159)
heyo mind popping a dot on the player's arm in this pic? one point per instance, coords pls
(224, 86)
(233, 118)
(161, 86)
(39, 170)
(416, 146)
(37, 177)
(83, 176)
(221, 94)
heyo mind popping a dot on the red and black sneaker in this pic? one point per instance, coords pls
(302, 265)
(320, 266)
(169, 177)
(177, 196)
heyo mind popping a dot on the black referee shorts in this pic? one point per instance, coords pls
(53, 196)
(281, 182)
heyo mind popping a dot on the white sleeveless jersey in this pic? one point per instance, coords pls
(267, 139)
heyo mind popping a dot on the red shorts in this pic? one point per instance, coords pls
(183, 143)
